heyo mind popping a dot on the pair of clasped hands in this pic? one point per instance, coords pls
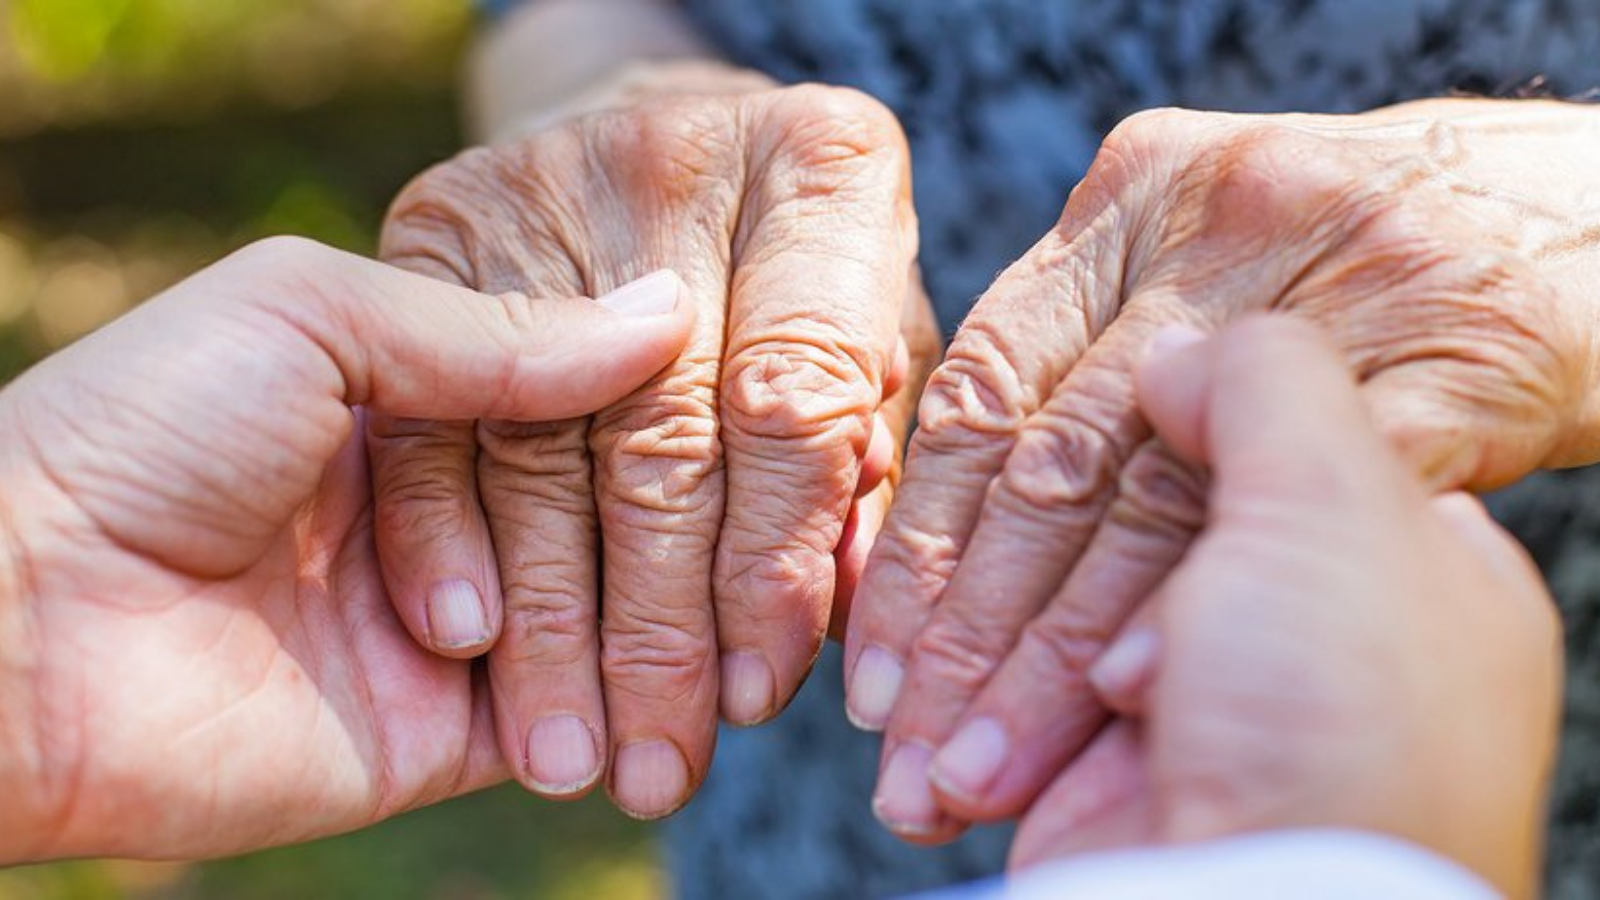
(1151, 574)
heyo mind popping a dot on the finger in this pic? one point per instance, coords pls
(550, 714)
(1274, 413)
(900, 368)
(336, 330)
(433, 543)
(1009, 354)
(1102, 802)
(1039, 516)
(905, 803)
(860, 532)
(659, 491)
(878, 459)
(436, 546)
(821, 271)
(1002, 752)
(916, 354)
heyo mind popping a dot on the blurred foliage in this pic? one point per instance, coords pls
(141, 139)
(498, 845)
(77, 61)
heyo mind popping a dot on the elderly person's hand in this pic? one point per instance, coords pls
(1450, 248)
(197, 654)
(1336, 650)
(685, 546)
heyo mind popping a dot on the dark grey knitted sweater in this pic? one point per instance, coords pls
(1005, 102)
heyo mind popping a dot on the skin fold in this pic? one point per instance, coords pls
(1449, 250)
(682, 551)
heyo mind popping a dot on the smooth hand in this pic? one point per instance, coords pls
(197, 653)
(683, 549)
(1450, 250)
(1337, 649)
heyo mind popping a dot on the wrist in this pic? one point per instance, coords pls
(551, 60)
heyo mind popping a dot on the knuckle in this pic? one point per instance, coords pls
(551, 622)
(975, 395)
(753, 579)
(679, 152)
(491, 218)
(659, 451)
(655, 652)
(825, 126)
(1057, 468)
(1159, 494)
(284, 253)
(1069, 639)
(814, 393)
(547, 465)
(431, 225)
(924, 560)
(421, 507)
(953, 653)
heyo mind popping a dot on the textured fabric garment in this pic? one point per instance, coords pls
(1005, 102)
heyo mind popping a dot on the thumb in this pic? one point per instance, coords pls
(1272, 410)
(410, 346)
(227, 398)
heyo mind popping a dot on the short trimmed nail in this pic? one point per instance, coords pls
(652, 295)
(968, 763)
(1172, 338)
(904, 801)
(561, 755)
(874, 685)
(747, 688)
(456, 618)
(1127, 664)
(650, 779)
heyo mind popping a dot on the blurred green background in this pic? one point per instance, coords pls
(140, 139)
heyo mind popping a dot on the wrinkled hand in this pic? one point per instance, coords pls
(713, 515)
(197, 654)
(1336, 649)
(1448, 248)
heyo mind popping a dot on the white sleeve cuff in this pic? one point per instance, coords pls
(1306, 865)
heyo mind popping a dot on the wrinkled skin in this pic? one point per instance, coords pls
(1448, 248)
(197, 653)
(683, 549)
(1337, 650)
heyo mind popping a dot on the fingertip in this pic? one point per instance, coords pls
(748, 689)
(1170, 386)
(656, 294)
(459, 620)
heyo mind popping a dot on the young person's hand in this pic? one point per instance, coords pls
(197, 653)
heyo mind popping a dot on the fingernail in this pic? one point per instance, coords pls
(1172, 338)
(904, 801)
(650, 779)
(561, 755)
(1126, 665)
(652, 295)
(874, 685)
(455, 615)
(968, 763)
(747, 689)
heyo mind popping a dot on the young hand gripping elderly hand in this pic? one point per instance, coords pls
(197, 653)
(1337, 649)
